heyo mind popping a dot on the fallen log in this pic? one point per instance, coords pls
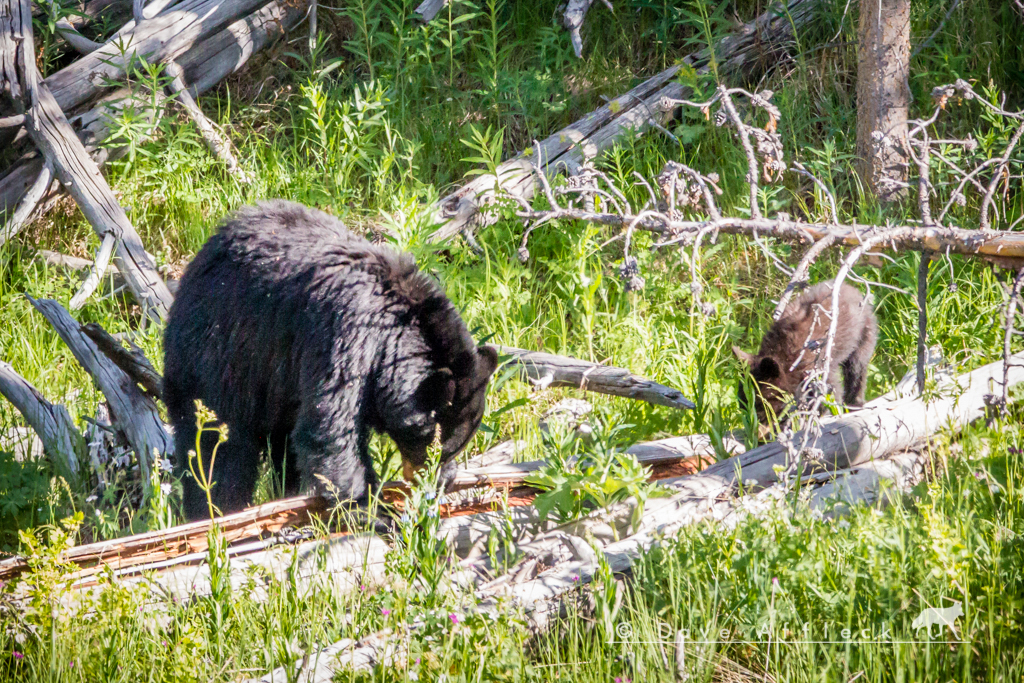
(700, 496)
(133, 413)
(545, 369)
(54, 137)
(205, 64)
(645, 106)
(62, 442)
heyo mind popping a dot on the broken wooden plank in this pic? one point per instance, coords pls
(132, 362)
(546, 369)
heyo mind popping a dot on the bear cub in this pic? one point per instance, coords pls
(806, 321)
(303, 337)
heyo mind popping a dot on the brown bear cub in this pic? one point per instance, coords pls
(791, 347)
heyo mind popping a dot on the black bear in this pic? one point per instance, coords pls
(791, 347)
(302, 337)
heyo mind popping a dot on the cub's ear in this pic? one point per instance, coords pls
(487, 356)
(743, 355)
(768, 369)
(438, 389)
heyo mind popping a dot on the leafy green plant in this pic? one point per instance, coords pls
(599, 476)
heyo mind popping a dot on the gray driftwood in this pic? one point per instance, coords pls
(62, 442)
(545, 369)
(132, 412)
(54, 137)
(645, 106)
(205, 64)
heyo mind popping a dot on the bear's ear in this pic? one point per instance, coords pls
(743, 355)
(487, 356)
(438, 389)
(768, 369)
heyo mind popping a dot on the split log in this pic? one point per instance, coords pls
(62, 442)
(55, 138)
(132, 411)
(545, 369)
(648, 105)
(205, 64)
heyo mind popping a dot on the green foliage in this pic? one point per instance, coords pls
(581, 478)
(24, 493)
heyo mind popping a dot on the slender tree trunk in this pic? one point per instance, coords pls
(883, 97)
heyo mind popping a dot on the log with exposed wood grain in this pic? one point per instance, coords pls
(54, 137)
(206, 63)
(645, 106)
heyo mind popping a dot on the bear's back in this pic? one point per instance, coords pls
(806, 320)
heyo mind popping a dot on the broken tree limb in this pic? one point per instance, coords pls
(649, 104)
(80, 265)
(545, 369)
(133, 413)
(133, 363)
(62, 442)
(215, 140)
(96, 272)
(28, 203)
(55, 138)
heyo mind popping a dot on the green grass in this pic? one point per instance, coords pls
(372, 128)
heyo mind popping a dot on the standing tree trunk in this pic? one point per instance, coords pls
(883, 66)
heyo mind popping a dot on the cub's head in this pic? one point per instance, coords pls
(774, 385)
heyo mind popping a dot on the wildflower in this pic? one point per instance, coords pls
(165, 489)
(405, 518)
(18, 655)
(454, 617)
(575, 577)
(775, 581)
(385, 612)
(71, 664)
(165, 465)
(430, 495)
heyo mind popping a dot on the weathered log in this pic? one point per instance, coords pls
(62, 442)
(133, 363)
(133, 412)
(160, 39)
(205, 65)
(55, 138)
(647, 105)
(29, 202)
(546, 369)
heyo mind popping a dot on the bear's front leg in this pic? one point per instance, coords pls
(332, 452)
